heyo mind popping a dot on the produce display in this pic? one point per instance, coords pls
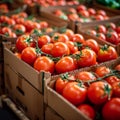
(93, 92)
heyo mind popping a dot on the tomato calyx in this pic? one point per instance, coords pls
(37, 33)
(105, 47)
(66, 77)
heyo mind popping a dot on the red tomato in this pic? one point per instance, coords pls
(101, 12)
(81, 7)
(111, 25)
(101, 71)
(101, 29)
(6, 31)
(87, 57)
(99, 92)
(93, 45)
(112, 37)
(99, 17)
(42, 40)
(73, 48)
(44, 63)
(117, 67)
(91, 32)
(87, 110)
(3, 18)
(112, 79)
(59, 49)
(84, 13)
(62, 81)
(111, 110)
(106, 53)
(29, 55)
(47, 48)
(85, 76)
(116, 89)
(117, 29)
(24, 41)
(65, 64)
(73, 17)
(43, 24)
(101, 36)
(74, 93)
(91, 11)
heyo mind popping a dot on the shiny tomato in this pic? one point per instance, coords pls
(29, 55)
(42, 40)
(91, 43)
(101, 71)
(43, 24)
(101, 36)
(44, 63)
(61, 82)
(84, 13)
(101, 12)
(85, 76)
(65, 64)
(59, 49)
(24, 41)
(81, 7)
(75, 93)
(116, 89)
(3, 18)
(6, 31)
(91, 32)
(111, 110)
(99, 17)
(91, 11)
(106, 53)
(87, 57)
(101, 29)
(99, 92)
(117, 67)
(117, 29)
(47, 48)
(112, 79)
(111, 25)
(87, 110)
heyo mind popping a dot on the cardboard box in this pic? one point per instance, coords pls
(26, 97)
(82, 28)
(62, 106)
(50, 114)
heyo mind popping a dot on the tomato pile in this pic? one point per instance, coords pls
(95, 93)
(61, 52)
(109, 32)
(22, 23)
(81, 14)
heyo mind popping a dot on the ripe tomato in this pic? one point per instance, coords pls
(112, 79)
(75, 93)
(29, 55)
(6, 31)
(84, 13)
(81, 7)
(61, 82)
(42, 40)
(87, 110)
(65, 64)
(24, 41)
(101, 29)
(117, 67)
(111, 110)
(3, 18)
(116, 89)
(59, 49)
(73, 48)
(91, 11)
(91, 43)
(112, 37)
(44, 63)
(85, 76)
(47, 48)
(87, 57)
(44, 24)
(106, 53)
(99, 92)
(73, 17)
(111, 25)
(91, 32)
(101, 12)
(117, 29)
(99, 17)
(101, 71)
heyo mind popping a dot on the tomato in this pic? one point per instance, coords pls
(111, 110)
(29, 55)
(117, 29)
(73, 17)
(3, 18)
(11, 22)
(87, 57)
(72, 46)
(85, 76)
(101, 36)
(99, 17)
(99, 92)
(20, 21)
(43, 24)
(65, 64)
(78, 38)
(101, 71)
(23, 14)
(112, 37)
(24, 41)
(6, 31)
(47, 48)
(44, 63)
(42, 40)
(91, 11)
(116, 89)
(62, 81)
(59, 49)
(101, 12)
(101, 29)
(87, 110)
(84, 13)
(19, 29)
(91, 32)
(106, 53)
(111, 25)
(75, 93)
(117, 67)
(81, 7)
(93, 45)
(72, 10)
(112, 79)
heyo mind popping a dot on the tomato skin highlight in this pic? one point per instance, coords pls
(111, 110)
(74, 93)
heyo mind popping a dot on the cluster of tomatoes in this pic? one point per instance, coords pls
(47, 3)
(81, 14)
(95, 93)
(109, 32)
(22, 23)
(61, 52)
